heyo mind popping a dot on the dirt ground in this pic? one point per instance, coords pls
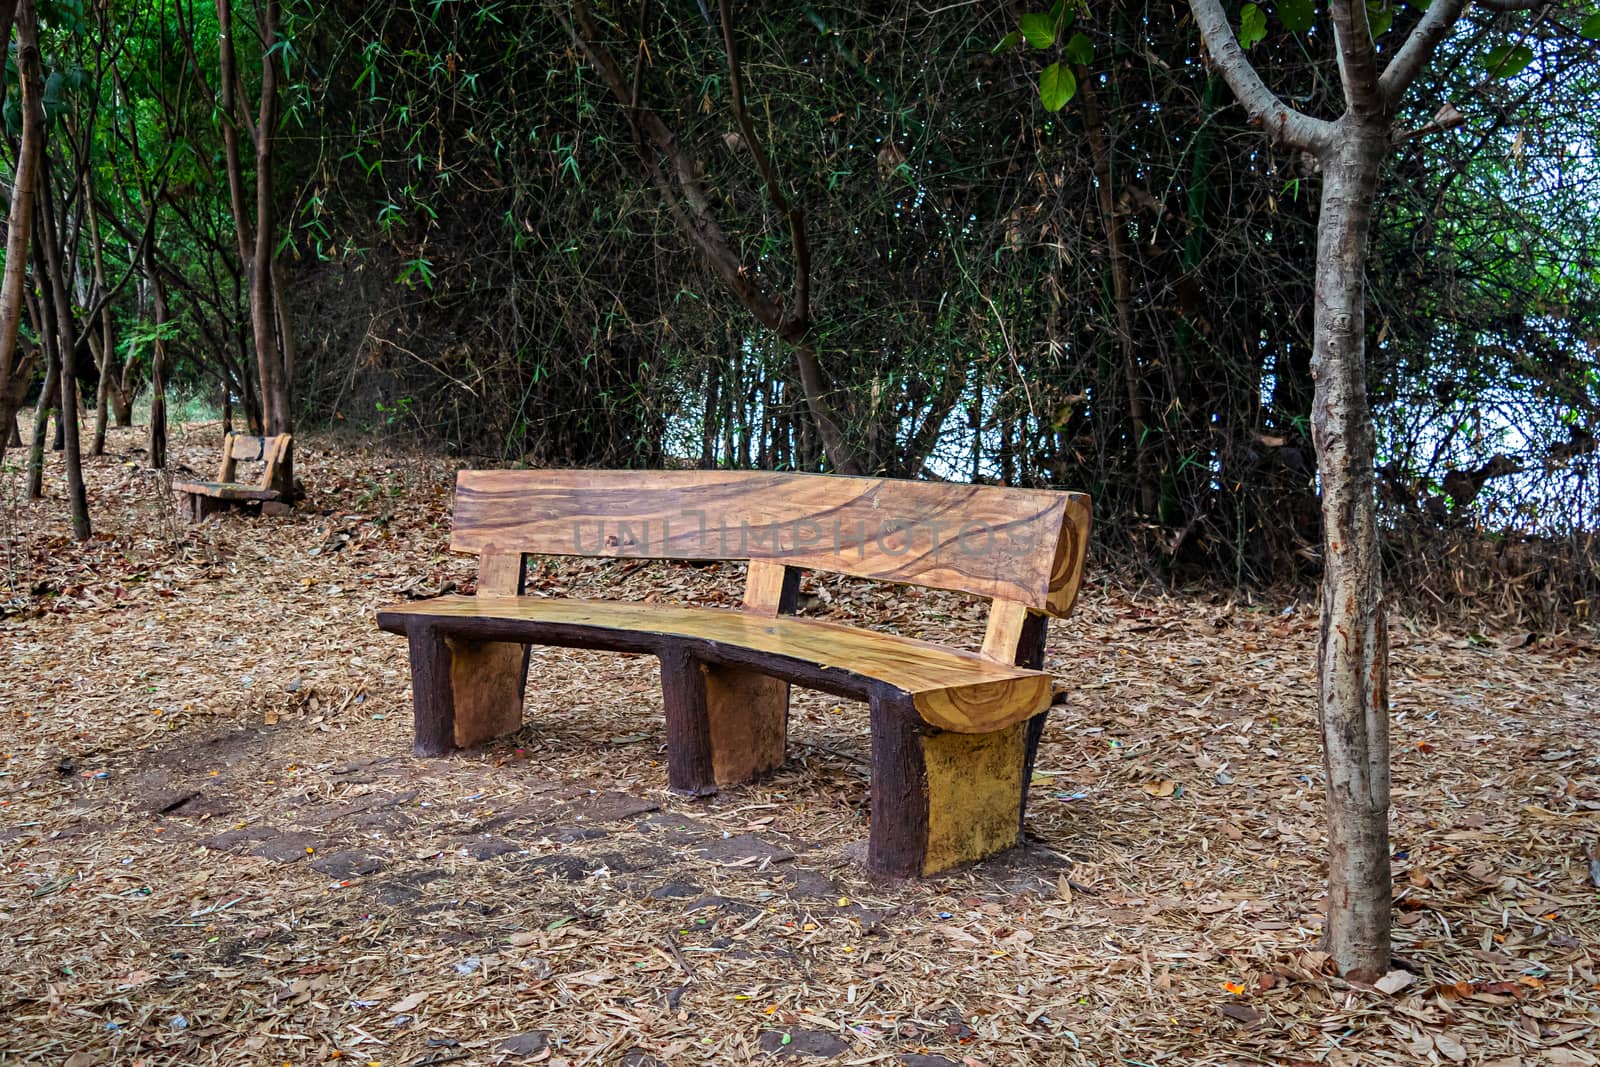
(215, 847)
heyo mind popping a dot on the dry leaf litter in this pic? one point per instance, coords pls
(215, 846)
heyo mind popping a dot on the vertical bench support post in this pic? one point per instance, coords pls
(489, 678)
(689, 744)
(940, 799)
(432, 700)
(748, 710)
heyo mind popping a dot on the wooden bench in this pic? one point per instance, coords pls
(954, 732)
(196, 500)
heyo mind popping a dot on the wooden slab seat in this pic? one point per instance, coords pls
(196, 500)
(954, 732)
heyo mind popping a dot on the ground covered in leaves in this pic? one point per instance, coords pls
(216, 848)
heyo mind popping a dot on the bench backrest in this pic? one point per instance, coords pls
(1024, 547)
(270, 452)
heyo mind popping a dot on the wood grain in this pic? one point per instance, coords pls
(432, 701)
(897, 833)
(489, 678)
(771, 588)
(974, 791)
(951, 689)
(749, 719)
(690, 761)
(225, 490)
(1025, 545)
(1004, 630)
(500, 573)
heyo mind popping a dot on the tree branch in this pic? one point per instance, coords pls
(690, 209)
(1417, 52)
(1358, 57)
(1281, 122)
(800, 313)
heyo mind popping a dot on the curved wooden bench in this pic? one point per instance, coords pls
(953, 731)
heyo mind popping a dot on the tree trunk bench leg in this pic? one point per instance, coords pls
(749, 722)
(690, 764)
(487, 680)
(432, 697)
(1034, 728)
(941, 799)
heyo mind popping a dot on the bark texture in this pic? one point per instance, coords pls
(16, 371)
(1353, 654)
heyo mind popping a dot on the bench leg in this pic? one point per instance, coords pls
(432, 698)
(749, 722)
(487, 680)
(941, 799)
(192, 507)
(690, 765)
(1033, 731)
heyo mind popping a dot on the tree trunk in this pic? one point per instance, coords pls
(122, 398)
(107, 382)
(66, 330)
(1121, 290)
(16, 370)
(158, 363)
(41, 423)
(269, 316)
(1352, 661)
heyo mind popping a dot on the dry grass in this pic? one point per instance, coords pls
(216, 848)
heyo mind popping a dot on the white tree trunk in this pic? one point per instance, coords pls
(1353, 655)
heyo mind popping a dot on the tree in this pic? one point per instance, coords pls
(269, 316)
(1353, 652)
(16, 371)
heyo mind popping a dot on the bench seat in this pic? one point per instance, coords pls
(226, 490)
(950, 688)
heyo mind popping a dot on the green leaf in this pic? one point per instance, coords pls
(1040, 30)
(1379, 17)
(1297, 16)
(1007, 43)
(1505, 60)
(1252, 26)
(1056, 86)
(1080, 50)
(1591, 27)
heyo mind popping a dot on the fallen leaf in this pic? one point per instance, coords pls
(1394, 981)
(1450, 1048)
(400, 1007)
(1162, 787)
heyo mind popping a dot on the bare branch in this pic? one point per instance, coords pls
(1503, 6)
(1418, 50)
(690, 209)
(1281, 122)
(1358, 57)
(800, 313)
(1446, 118)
